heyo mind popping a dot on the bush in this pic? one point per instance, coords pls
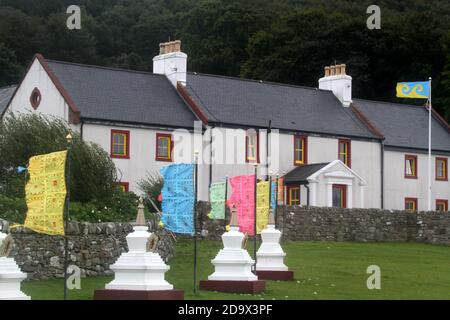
(93, 174)
(122, 207)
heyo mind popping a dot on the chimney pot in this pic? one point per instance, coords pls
(332, 70)
(177, 45)
(343, 67)
(327, 71)
(161, 48)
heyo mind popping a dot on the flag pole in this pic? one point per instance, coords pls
(226, 195)
(429, 144)
(254, 213)
(195, 219)
(69, 139)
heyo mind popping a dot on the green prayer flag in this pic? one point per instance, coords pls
(217, 197)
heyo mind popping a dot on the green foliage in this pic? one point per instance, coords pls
(93, 174)
(12, 209)
(274, 40)
(151, 187)
(121, 207)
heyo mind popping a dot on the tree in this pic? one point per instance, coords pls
(93, 174)
(11, 69)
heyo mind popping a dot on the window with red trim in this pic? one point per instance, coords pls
(410, 166)
(124, 186)
(252, 146)
(120, 144)
(344, 152)
(293, 195)
(441, 205)
(411, 204)
(339, 196)
(442, 169)
(300, 150)
(164, 146)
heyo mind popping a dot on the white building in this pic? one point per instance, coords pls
(147, 120)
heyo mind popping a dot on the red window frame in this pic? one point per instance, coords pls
(125, 185)
(413, 200)
(288, 194)
(257, 148)
(127, 144)
(348, 143)
(343, 190)
(157, 156)
(445, 177)
(444, 202)
(409, 157)
(305, 150)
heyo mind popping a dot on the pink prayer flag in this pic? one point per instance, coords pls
(243, 196)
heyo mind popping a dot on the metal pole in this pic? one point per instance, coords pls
(195, 221)
(226, 195)
(429, 144)
(66, 221)
(276, 198)
(254, 213)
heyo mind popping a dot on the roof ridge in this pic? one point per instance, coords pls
(391, 103)
(258, 81)
(104, 67)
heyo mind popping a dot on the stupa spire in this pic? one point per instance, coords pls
(234, 219)
(140, 218)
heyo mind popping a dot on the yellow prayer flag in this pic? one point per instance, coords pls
(262, 205)
(45, 193)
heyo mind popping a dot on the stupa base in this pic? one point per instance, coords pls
(233, 286)
(275, 275)
(115, 294)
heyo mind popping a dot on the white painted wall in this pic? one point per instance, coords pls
(397, 187)
(143, 152)
(52, 102)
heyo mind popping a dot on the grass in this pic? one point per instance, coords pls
(323, 270)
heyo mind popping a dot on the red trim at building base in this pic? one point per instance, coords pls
(105, 294)
(275, 275)
(233, 286)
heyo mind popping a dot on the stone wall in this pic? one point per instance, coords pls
(333, 224)
(93, 247)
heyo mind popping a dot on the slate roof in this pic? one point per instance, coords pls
(405, 125)
(123, 95)
(253, 103)
(5, 95)
(301, 173)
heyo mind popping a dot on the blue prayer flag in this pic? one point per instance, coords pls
(178, 197)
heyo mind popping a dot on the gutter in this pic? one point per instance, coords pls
(382, 173)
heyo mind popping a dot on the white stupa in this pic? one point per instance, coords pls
(270, 256)
(233, 261)
(10, 276)
(139, 269)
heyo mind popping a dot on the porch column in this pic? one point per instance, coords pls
(329, 194)
(313, 193)
(362, 195)
(349, 196)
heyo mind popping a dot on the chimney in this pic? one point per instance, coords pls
(336, 80)
(171, 62)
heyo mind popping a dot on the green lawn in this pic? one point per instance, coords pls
(323, 270)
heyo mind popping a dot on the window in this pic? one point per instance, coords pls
(410, 166)
(124, 186)
(293, 194)
(339, 196)
(120, 144)
(164, 147)
(300, 150)
(344, 152)
(441, 169)
(411, 204)
(35, 98)
(251, 146)
(441, 205)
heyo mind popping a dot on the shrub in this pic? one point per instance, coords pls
(93, 174)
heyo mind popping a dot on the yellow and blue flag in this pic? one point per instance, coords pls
(418, 90)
